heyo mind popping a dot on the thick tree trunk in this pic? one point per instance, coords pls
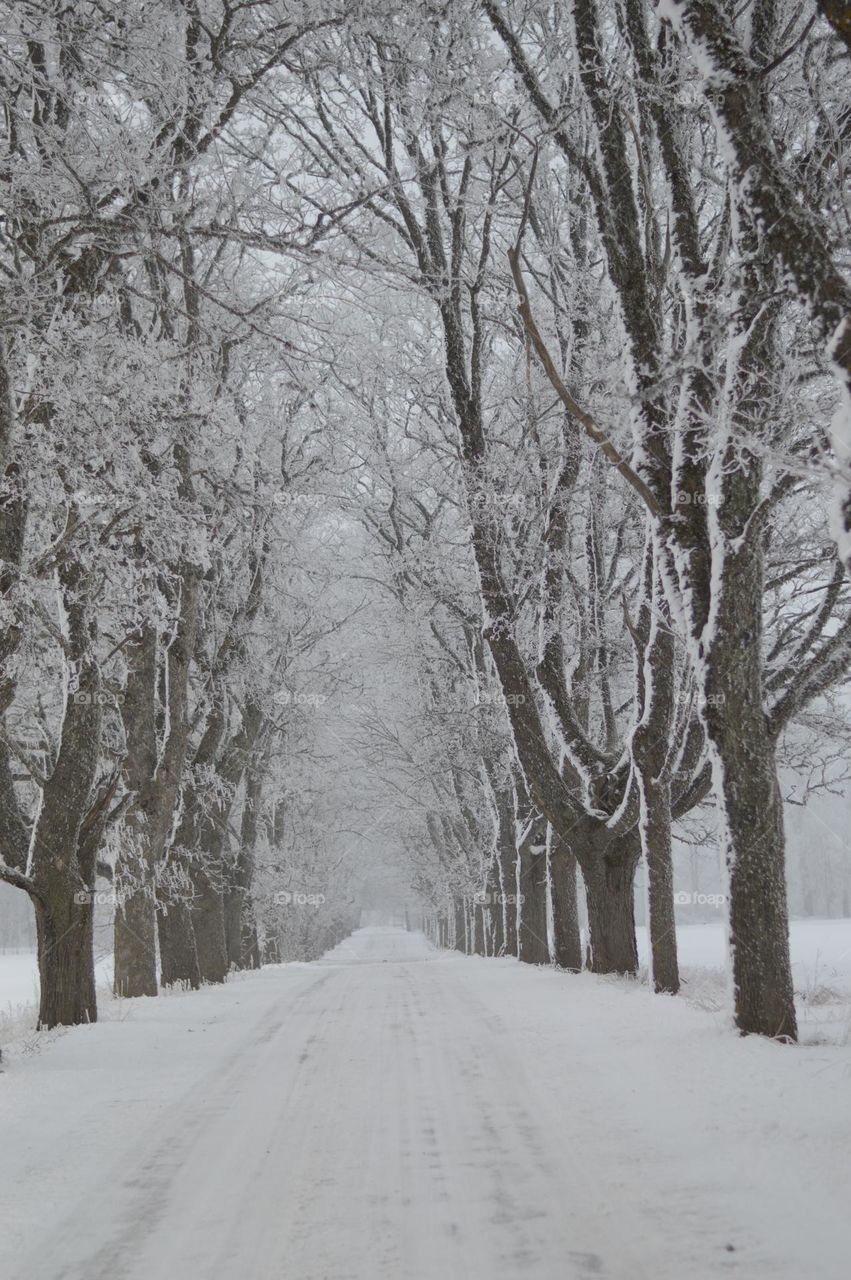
(533, 946)
(178, 955)
(65, 963)
(68, 827)
(496, 904)
(479, 919)
(566, 938)
(154, 777)
(459, 939)
(234, 912)
(135, 913)
(497, 930)
(208, 921)
(656, 822)
(508, 875)
(742, 739)
(759, 922)
(240, 929)
(651, 753)
(204, 830)
(746, 778)
(136, 944)
(611, 914)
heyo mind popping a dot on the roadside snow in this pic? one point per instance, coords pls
(821, 968)
(821, 972)
(392, 1111)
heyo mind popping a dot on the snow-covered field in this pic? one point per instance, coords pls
(392, 1111)
(817, 945)
(821, 971)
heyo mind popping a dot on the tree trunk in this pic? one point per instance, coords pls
(208, 921)
(566, 939)
(243, 949)
(507, 874)
(135, 913)
(233, 918)
(497, 905)
(65, 962)
(661, 922)
(460, 935)
(611, 914)
(154, 777)
(136, 944)
(755, 859)
(477, 929)
(651, 753)
(68, 827)
(743, 746)
(533, 946)
(759, 922)
(178, 955)
(240, 928)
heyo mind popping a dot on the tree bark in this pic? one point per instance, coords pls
(240, 926)
(746, 777)
(135, 942)
(496, 908)
(655, 663)
(208, 921)
(65, 964)
(477, 929)
(533, 947)
(656, 835)
(611, 912)
(135, 972)
(154, 777)
(459, 941)
(178, 953)
(567, 942)
(62, 860)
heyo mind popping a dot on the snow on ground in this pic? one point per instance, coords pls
(396, 1112)
(19, 984)
(821, 972)
(816, 945)
(821, 964)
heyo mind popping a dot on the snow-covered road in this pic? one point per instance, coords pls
(396, 1112)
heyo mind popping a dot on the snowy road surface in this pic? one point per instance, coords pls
(396, 1112)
